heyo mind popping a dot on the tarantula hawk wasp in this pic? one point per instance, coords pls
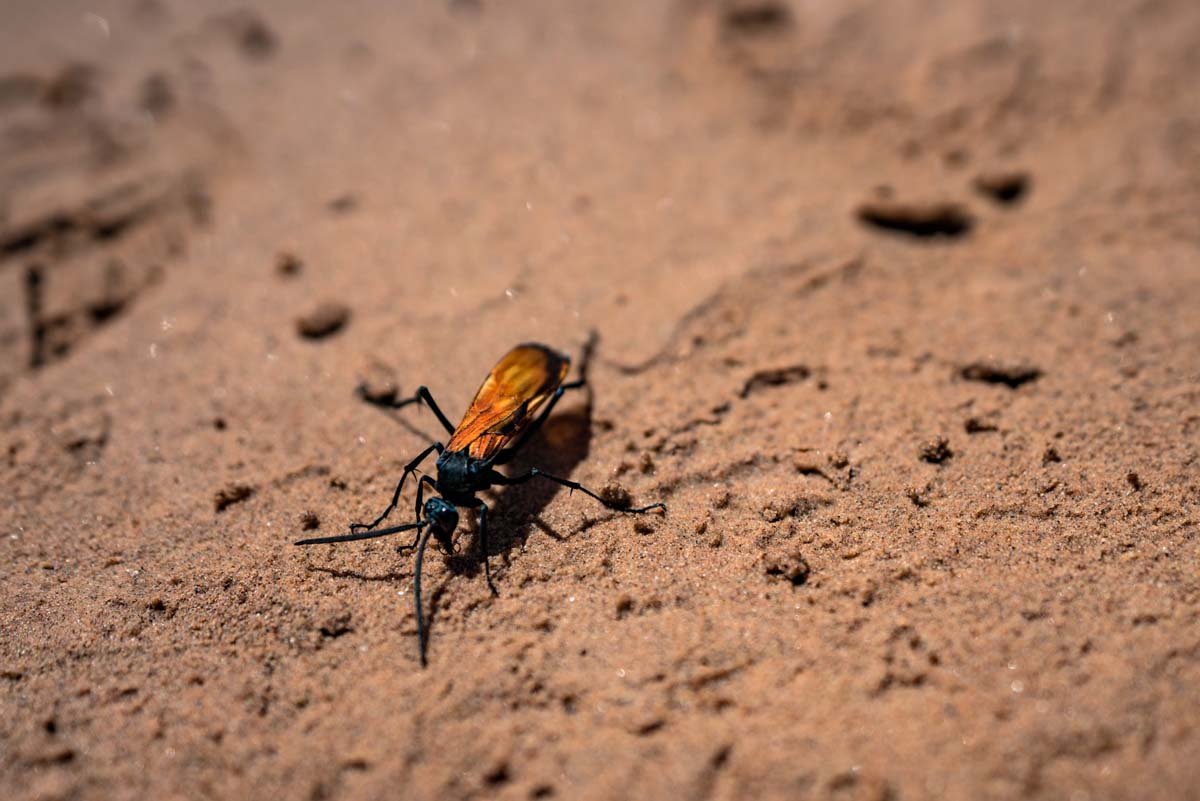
(501, 419)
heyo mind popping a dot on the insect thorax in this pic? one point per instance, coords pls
(458, 475)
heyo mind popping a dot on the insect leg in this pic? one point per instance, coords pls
(417, 592)
(421, 396)
(483, 546)
(501, 479)
(421, 494)
(585, 358)
(411, 467)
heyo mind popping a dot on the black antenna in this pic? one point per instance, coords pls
(417, 593)
(362, 535)
(422, 540)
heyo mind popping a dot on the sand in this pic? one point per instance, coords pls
(897, 307)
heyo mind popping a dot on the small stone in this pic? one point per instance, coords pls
(806, 464)
(1010, 374)
(976, 425)
(234, 493)
(935, 450)
(288, 265)
(325, 320)
(336, 623)
(616, 495)
(787, 564)
(775, 510)
(253, 37)
(917, 496)
(343, 204)
(378, 383)
(1005, 187)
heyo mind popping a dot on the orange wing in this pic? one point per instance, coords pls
(505, 404)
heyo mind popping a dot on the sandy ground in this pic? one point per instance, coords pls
(898, 314)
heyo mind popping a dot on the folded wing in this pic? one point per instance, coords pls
(506, 403)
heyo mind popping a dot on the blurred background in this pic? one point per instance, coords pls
(896, 305)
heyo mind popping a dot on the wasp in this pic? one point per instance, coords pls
(514, 401)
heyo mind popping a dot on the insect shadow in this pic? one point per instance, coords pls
(561, 444)
(337, 572)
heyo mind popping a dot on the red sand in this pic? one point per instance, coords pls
(898, 313)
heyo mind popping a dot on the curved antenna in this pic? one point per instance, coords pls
(417, 592)
(363, 535)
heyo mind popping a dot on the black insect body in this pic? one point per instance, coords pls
(500, 420)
